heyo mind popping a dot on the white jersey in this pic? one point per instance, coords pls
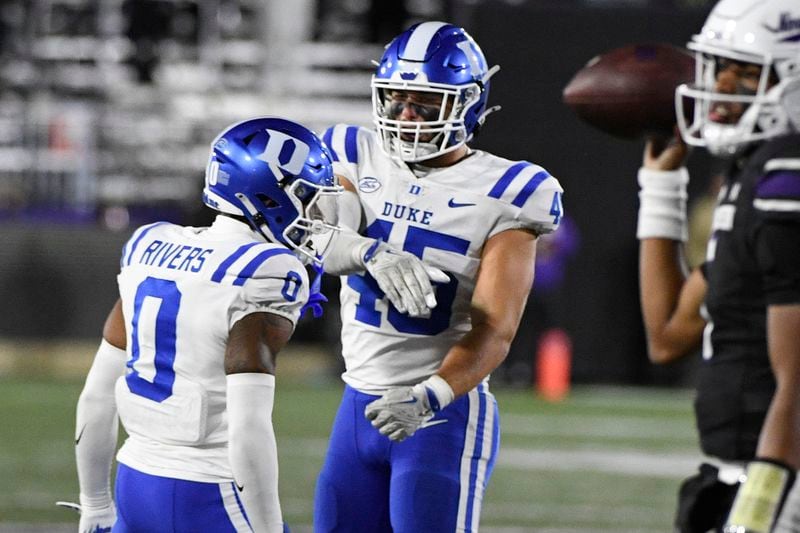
(182, 291)
(444, 217)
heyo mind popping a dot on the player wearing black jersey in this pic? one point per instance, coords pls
(743, 304)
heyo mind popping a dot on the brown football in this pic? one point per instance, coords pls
(629, 92)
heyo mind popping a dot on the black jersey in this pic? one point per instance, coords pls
(753, 261)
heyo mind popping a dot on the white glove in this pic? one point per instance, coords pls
(399, 413)
(404, 278)
(97, 519)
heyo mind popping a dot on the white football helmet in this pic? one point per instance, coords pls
(761, 32)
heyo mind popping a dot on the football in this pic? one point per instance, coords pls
(629, 92)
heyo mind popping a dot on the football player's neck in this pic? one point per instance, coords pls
(449, 159)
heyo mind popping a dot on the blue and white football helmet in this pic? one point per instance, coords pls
(763, 33)
(439, 58)
(278, 175)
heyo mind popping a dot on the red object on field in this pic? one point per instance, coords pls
(554, 365)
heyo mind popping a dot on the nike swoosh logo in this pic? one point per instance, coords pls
(453, 203)
(433, 423)
(77, 440)
(240, 488)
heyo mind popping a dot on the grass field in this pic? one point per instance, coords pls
(605, 459)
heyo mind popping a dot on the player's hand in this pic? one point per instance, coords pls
(405, 279)
(759, 499)
(97, 519)
(665, 154)
(399, 413)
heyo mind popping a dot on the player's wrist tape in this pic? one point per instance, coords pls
(346, 254)
(92, 503)
(760, 497)
(371, 251)
(439, 392)
(662, 204)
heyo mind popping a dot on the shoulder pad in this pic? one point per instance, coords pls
(778, 190)
(136, 237)
(534, 192)
(343, 142)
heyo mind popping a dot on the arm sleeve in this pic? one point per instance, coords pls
(252, 448)
(96, 426)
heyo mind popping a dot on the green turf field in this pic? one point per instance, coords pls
(606, 459)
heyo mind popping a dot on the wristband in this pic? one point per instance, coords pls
(662, 204)
(759, 499)
(439, 392)
(372, 250)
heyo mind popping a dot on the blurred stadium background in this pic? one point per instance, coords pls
(107, 108)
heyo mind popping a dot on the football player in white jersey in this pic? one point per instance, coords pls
(416, 436)
(188, 356)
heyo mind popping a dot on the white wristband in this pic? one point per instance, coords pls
(440, 393)
(662, 204)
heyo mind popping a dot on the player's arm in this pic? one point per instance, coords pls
(97, 424)
(402, 276)
(670, 299)
(501, 291)
(252, 345)
(771, 475)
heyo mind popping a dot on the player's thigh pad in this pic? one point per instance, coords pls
(440, 473)
(352, 493)
(155, 504)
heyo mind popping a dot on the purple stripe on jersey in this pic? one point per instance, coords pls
(250, 268)
(792, 38)
(327, 138)
(225, 265)
(530, 187)
(779, 184)
(350, 146)
(477, 453)
(139, 238)
(506, 179)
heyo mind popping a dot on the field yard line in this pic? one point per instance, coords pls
(623, 462)
(631, 427)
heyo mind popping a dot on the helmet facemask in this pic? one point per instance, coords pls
(439, 133)
(760, 116)
(310, 232)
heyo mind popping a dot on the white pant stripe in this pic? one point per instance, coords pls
(233, 508)
(486, 452)
(470, 440)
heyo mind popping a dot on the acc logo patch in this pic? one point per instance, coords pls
(369, 184)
